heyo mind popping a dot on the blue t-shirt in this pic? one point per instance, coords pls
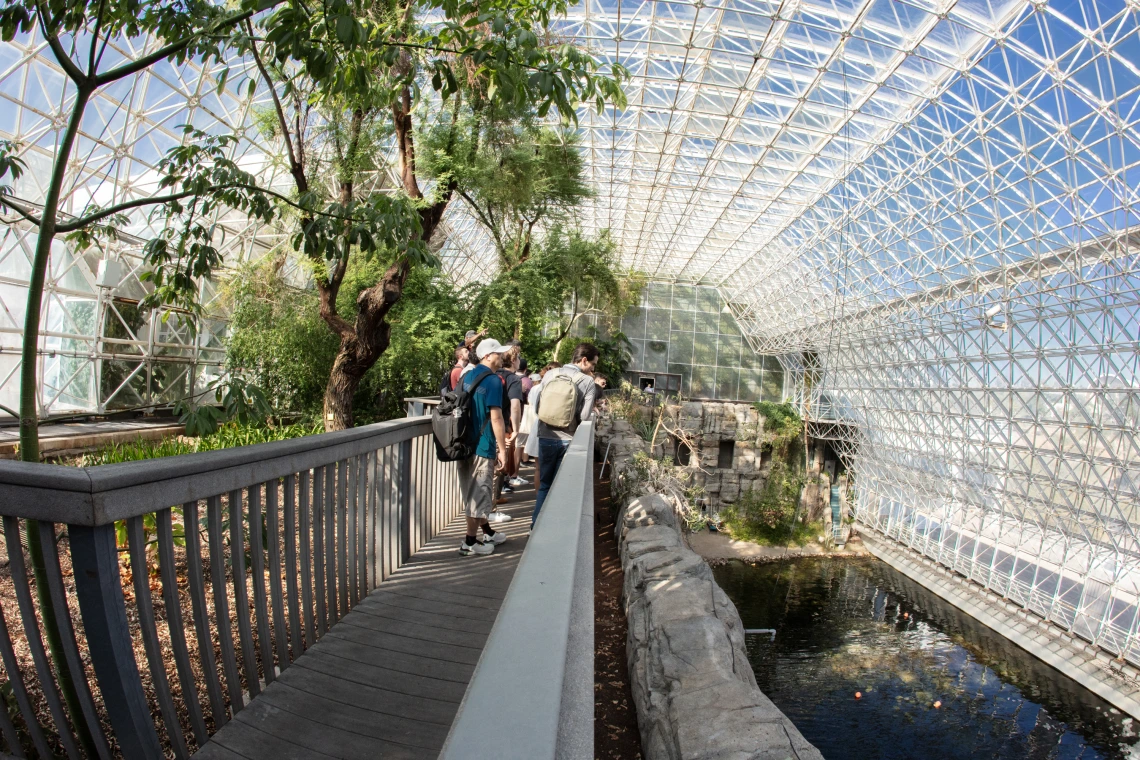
(488, 394)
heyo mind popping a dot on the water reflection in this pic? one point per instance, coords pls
(858, 625)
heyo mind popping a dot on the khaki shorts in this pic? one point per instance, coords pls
(476, 485)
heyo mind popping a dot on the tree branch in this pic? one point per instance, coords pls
(91, 57)
(137, 65)
(293, 160)
(68, 65)
(156, 200)
(7, 201)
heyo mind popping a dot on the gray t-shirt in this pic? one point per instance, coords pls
(585, 408)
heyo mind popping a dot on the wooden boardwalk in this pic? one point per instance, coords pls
(386, 681)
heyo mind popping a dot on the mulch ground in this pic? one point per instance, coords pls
(615, 718)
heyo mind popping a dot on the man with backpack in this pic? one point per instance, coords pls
(566, 400)
(477, 473)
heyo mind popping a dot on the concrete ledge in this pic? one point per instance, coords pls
(1112, 680)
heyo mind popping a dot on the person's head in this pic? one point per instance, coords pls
(490, 353)
(586, 357)
(600, 381)
(522, 364)
(461, 355)
(511, 354)
(553, 365)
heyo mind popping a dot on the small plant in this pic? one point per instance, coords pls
(241, 402)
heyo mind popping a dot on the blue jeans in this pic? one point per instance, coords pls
(550, 453)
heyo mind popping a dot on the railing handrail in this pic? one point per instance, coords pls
(542, 642)
(93, 496)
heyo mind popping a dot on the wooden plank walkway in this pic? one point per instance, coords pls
(386, 681)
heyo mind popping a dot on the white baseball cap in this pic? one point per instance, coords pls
(489, 346)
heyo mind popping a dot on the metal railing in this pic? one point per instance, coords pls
(538, 664)
(249, 556)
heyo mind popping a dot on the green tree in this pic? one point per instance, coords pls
(517, 178)
(489, 62)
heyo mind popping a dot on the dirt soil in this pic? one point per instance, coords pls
(615, 717)
(719, 547)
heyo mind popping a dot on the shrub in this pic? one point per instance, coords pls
(230, 435)
(767, 515)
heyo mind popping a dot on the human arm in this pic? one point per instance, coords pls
(516, 417)
(500, 432)
(588, 402)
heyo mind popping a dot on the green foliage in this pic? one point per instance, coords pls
(241, 402)
(613, 353)
(228, 436)
(513, 177)
(274, 324)
(765, 516)
(781, 419)
(427, 325)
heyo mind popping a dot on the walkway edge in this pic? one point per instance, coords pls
(529, 683)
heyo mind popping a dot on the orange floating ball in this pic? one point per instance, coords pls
(937, 704)
(858, 695)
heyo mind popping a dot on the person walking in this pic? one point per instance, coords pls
(530, 419)
(477, 474)
(567, 392)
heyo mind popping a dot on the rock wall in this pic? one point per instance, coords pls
(695, 693)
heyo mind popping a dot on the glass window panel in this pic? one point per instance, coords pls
(684, 297)
(681, 348)
(772, 387)
(728, 325)
(704, 349)
(706, 322)
(683, 320)
(728, 352)
(169, 381)
(708, 300)
(703, 382)
(660, 295)
(749, 386)
(636, 354)
(123, 384)
(685, 371)
(657, 324)
(633, 323)
(656, 353)
(726, 383)
(772, 364)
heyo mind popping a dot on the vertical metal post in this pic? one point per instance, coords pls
(405, 492)
(96, 565)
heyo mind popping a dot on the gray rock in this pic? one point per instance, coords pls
(695, 693)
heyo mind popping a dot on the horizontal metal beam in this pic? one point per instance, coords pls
(93, 496)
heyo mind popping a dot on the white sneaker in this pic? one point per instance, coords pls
(516, 482)
(498, 538)
(499, 517)
(478, 547)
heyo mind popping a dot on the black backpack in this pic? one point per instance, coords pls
(451, 423)
(445, 383)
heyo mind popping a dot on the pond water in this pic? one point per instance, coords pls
(846, 625)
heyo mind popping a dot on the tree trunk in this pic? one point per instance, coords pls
(363, 346)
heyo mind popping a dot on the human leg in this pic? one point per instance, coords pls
(476, 476)
(550, 454)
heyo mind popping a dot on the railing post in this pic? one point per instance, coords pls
(405, 500)
(95, 562)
